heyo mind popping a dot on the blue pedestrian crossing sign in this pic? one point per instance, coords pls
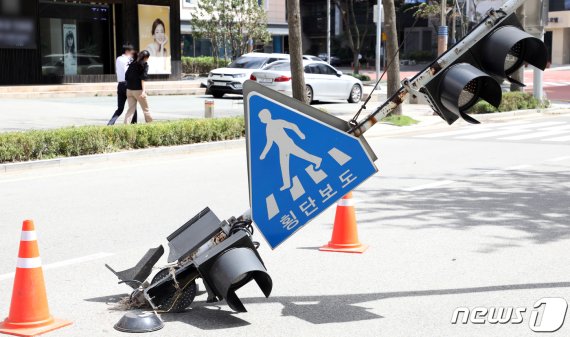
(301, 161)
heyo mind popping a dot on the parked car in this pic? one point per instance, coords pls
(335, 61)
(229, 80)
(87, 64)
(323, 82)
(313, 58)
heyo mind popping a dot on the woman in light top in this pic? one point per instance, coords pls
(157, 47)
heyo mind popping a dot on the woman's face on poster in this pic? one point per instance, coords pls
(159, 35)
(70, 41)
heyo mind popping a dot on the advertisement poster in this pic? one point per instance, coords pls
(70, 49)
(154, 36)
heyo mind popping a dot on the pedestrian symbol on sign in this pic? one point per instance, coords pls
(298, 164)
(276, 133)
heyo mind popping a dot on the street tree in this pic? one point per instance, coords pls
(356, 30)
(230, 24)
(392, 50)
(296, 50)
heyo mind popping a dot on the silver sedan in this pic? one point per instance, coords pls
(323, 82)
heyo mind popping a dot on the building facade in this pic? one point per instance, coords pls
(277, 26)
(557, 37)
(59, 41)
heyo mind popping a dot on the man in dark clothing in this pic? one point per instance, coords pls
(121, 67)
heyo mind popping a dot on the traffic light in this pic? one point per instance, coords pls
(478, 71)
(222, 253)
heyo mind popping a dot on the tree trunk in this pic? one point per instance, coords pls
(391, 47)
(355, 62)
(296, 50)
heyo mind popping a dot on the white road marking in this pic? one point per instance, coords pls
(558, 159)
(557, 139)
(428, 186)
(559, 127)
(532, 135)
(531, 125)
(64, 263)
(466, 130)
(517, 167)
(492, 134)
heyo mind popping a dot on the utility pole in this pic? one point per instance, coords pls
(329, 31)
(453, 15)
(378, 37)
(296, 50)
(519, 73)
(442, 31)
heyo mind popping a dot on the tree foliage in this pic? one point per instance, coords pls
(230, 25)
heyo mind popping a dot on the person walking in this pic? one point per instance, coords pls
(121, 68)
(136, 76)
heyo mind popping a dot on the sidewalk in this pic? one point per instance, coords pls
(72, 90)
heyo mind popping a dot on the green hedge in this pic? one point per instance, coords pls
(85, 140)
(361, 77)
(515, 100)
(201, 65)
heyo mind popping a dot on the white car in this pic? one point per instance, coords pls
(323, 82)
(229, 80)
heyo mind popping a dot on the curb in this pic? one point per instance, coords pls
(123, 155)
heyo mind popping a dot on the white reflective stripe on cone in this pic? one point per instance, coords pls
(29, 236)
(29, 262)
(346, 202)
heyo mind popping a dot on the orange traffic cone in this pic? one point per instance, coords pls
(345, 234)
(29, 312)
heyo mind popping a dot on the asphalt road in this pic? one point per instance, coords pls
(451, 222)
(47, 113)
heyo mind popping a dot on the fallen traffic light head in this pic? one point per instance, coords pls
(229, 266)
(220, 252)
(478, 71)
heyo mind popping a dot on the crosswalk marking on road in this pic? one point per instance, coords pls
(537, 134)
(558, 139)
(551, 131)
(490, 134)
(530, 125)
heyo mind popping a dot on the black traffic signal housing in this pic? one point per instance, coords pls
(222, 253)
(230, 265)
(477, 73)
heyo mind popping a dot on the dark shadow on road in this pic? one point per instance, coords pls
(110, 299)
(537, 203)
(325, 309)
(207, 317)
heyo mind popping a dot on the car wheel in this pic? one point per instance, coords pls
(308, 94)
(217, 94)
(355, 94)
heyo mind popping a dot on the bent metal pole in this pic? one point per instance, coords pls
(426, 75)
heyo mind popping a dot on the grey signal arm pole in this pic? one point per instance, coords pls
(414, 85)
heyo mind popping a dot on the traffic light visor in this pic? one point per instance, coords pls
(507, 49)
(463, 85)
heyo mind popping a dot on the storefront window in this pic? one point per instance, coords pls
(75, 38)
